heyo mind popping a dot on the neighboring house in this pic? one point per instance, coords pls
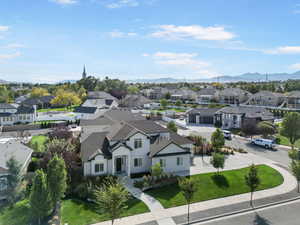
(155, 93)
(201, 116)
(266, 98)
(133, 146)
(206, 95)
(101, 100)
(21, 99)
(233, 96)
(8, 150)
(238, 116)
(11, 114)
(183, 95)
(40, 102)
(135, 101)
(85, 112)
(293, 100)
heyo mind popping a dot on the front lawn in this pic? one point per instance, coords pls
(77, 212)
(285, 141)
(38, 143)
(212, 186)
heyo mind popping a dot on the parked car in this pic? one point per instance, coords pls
(227, 134)
(266, 143)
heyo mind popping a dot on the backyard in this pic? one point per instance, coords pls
(212, 186)
(38, 143)
(61, 109)
(77, 212)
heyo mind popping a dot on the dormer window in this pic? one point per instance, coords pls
(137, 143)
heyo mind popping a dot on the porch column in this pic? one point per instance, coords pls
(113, 166)
(129, 165)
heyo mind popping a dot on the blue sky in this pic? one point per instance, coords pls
(50, 40)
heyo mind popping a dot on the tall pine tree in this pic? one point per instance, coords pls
(39, 200)
(57, 179)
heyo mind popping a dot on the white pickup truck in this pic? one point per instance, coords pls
(266, 143)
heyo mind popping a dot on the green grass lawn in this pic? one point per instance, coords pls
(62, 109)
(77, 212)
(285, 141)
(210, 186)
(41, 142)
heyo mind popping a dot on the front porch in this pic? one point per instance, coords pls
(121, 165)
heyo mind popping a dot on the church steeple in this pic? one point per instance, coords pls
(84, 72)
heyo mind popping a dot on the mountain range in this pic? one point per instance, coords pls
(249, 77)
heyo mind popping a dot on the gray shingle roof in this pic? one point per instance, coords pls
(248, 112)
(204, 111)
(100, 95)
(14, 149)
(134, 101)
(180, 140)
(93, 145)
(82, 109)
(23, 109)
(7, 106)
(147, 126)
(294, 94)
(268, 93)
(234, 92)
(162, 143)
(207, 91)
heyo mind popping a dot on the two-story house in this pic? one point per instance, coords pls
(233, 96)
(293, 100)
(12, 113)
(133, 146)
(266, 98)
(206, 95)
(238, 116)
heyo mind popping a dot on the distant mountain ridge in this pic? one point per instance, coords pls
(249, 77)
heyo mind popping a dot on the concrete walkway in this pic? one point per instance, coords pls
(164, 216)
(157, 210)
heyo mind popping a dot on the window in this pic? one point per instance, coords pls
(99, 167)
(3, 183)
(162, 163)
(138, 143)
(138, 162)
(179, 161)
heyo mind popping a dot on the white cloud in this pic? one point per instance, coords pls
(122, 3)
(295, 66)
(4, 28)
(9, 56)
(14, 46)
(173, 32)
(180, 59)
(65, 2)
(284, 50)
(119, 34)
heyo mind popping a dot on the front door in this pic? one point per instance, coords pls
(119, 165)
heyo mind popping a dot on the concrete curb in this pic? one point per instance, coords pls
(241, 211)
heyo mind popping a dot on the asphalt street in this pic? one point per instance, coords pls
(287, 214)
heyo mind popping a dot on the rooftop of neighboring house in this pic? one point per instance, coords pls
(268, 94)
(204, 111)
(234, 92)
(249, 112)
(100, 95)
(99, 103)
(207, 91)
(132, 101)
(15, 149)
(294, 94)
(82, 109)
(38, 100)
(7, 106)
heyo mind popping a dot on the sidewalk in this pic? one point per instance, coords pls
(164, 216)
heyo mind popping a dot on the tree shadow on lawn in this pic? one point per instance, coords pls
(220, 180)
(259, 220)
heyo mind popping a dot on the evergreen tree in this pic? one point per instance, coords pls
(39, 199)
(291, 127)
(13, 179)
(57, 178)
